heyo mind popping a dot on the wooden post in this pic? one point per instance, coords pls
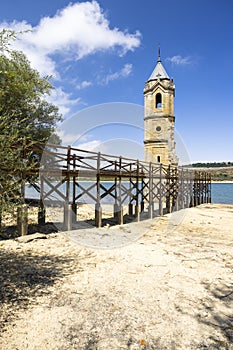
(22, 219)
(174, 188)
(142, 195)
(182, 190)
(68, 216)
(191, 188)
(41, 208)
(41, 213)
(0, 217)
(137, 209)
(120, 208)
(178, 190)
(177, 201)
(168, 196)
(161, 190)
(209, 191)
(98, 209)
(68, 207)
(74, 205)
(137, 212)
(115, 206)
(67, 220)
(142, 207)
(98, 215)
(115, 210)
(130, 209)
(195, 189)
(22, 211)
(120, 215)
(201, 188)
(205, 188)
(68, 174)
(186, 189)
(74, 213)
(150, 209)
(130, 193)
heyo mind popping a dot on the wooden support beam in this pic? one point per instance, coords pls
(137, 212)
(74, 213)
(150, 208)
(161, 190)
(98, 209)
(120, 215)
(98, 215)
(68, 213)
(41, 213)
(22, 219)
(115, 211)
(168, 190)
(119, 197)
(41, 208)
(130, 209)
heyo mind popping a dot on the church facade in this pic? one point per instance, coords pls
(159, 119)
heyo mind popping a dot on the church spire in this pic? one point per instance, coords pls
(159, 72)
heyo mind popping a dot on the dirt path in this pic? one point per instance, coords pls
(172, 289)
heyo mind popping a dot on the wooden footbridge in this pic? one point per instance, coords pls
(144, 188)
(136, 189)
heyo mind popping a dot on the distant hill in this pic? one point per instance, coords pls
(212, 165)
(220, 171)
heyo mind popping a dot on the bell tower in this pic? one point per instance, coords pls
(159, 119)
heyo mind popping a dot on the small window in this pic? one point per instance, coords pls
(158, 159)
(158, 128)
(158, 100)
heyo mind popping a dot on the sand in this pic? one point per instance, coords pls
(172, 288)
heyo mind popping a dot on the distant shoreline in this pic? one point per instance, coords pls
(222, 182)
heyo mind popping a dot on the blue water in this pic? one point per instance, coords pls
(221, 192)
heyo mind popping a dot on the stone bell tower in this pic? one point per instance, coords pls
(159, 117)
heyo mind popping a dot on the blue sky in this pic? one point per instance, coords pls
(103, 51)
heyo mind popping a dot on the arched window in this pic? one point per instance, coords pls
(158, 159)
(158, 100)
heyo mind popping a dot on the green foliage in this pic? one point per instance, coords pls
(25, 118)
(22, 97)
(220, 171)
(212, 165)
(221, 175)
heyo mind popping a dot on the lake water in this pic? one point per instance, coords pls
(221, 192)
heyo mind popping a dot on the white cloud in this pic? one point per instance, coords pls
(95, 146)
(70, 138)
(62, 100)
(84, 84)
(76, 31)
(38, 58)
(179, 60)
(124, 72)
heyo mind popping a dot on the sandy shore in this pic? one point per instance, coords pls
(170, 289)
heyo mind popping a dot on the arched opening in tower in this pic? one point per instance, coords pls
(158, 101)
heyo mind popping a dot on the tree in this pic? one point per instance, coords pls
(25, 118)
(22, 94)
